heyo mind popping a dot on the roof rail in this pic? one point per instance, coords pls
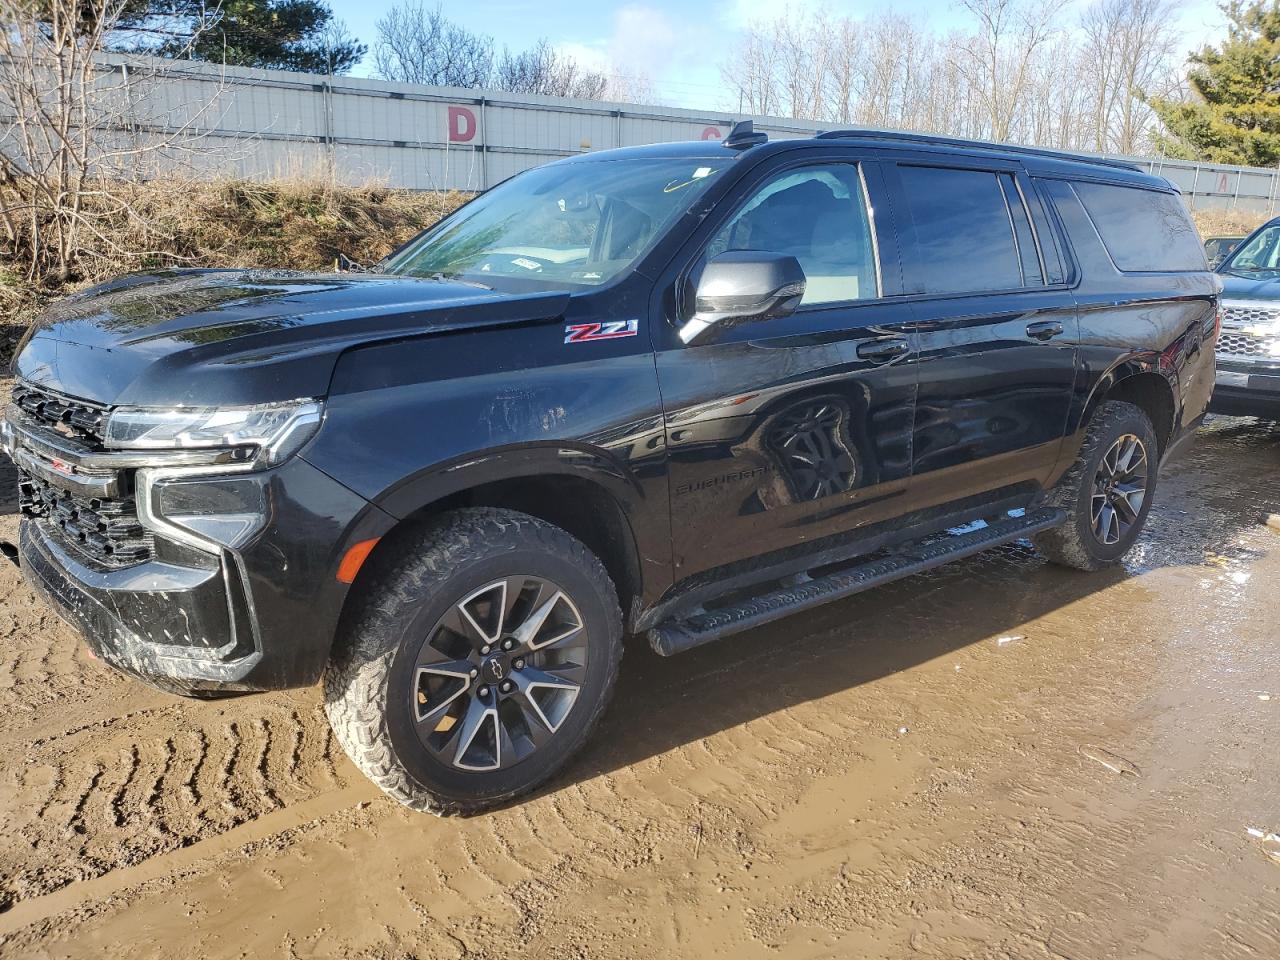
(744, 135)
(929, 138)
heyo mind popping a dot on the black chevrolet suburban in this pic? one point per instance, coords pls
(671, 391)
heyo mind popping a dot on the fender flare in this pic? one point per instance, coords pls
(1144, 364)
(543, 459)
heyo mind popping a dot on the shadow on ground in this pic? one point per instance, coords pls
(1225, 485)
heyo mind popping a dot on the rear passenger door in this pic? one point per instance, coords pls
(995, 324)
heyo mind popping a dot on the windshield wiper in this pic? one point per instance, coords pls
(444, 278)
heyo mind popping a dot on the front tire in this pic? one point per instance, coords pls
(477, 663)
(1107, 493)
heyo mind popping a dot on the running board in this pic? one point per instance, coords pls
(676, 636)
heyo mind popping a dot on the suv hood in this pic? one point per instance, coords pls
(240, 336)
(1242, 286)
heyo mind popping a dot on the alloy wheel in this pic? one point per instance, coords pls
(1119, 489)
(499, 673)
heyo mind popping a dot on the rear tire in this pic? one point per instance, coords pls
(1107, 493)
(477, 663)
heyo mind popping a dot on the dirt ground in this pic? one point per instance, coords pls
(885, 777)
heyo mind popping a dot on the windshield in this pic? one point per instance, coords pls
(1259, 254)
(568, 225)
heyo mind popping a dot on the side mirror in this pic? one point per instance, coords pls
(743, 286)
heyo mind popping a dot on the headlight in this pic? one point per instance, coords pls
(268, 433)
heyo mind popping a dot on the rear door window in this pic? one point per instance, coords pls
(967, 235)
(1143, 230)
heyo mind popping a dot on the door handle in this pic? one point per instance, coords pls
(1044, 329)
(883, 349)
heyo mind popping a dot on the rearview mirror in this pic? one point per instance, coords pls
(743, 286)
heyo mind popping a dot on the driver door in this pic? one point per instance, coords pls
(789, 431)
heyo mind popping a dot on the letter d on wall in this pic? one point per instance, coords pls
(462, 125)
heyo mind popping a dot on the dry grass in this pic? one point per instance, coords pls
(296, 223)
(1226, 223)
(299, 223)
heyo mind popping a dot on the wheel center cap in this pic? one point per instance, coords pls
(494, 670)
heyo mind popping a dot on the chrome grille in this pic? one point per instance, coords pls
(1248, 314)
(1250, 331)
(1238, 343)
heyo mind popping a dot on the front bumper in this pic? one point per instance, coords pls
(257, 616)
(1247, 390)
(157, 619)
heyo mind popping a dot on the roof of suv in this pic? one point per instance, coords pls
(1035, 159)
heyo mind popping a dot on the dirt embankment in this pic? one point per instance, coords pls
(296, 224)
(998, 759)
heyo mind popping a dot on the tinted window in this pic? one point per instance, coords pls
(964, 234)
(817, 215)
(1142, 229)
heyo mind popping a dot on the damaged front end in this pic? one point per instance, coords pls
(183, 542)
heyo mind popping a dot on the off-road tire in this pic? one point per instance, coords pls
(1074, 544)
(426, 572)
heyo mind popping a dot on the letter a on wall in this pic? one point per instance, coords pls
(462, 125)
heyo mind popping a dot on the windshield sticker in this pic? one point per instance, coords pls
(698, 174)
(526, 263)
(609, 330)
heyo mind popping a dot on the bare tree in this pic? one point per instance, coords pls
(1131, 44)
(629, 87)
(418, 44)
(752, 72)
(542, 69)
(997, 59)
(76, 128)
(1020, 72)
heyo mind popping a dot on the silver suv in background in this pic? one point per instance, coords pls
(1249, 346)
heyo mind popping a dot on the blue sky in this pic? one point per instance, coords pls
(677, 44)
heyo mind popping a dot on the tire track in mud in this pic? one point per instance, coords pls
(111, 794)
(673, 799)
(714, 795)
(100, 797)
(516, 866)
(44, 662)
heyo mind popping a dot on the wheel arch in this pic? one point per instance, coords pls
(588, 498)
(1147, 386)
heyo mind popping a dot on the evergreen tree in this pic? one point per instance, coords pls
(274, 34)
(1234, 113)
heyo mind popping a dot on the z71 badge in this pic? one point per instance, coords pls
(608, 330)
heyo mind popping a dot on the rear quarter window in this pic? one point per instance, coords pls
(1143, 230)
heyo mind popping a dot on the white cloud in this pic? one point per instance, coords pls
(645, 39)
(740, 14)
(590, 56)
(651, 52)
